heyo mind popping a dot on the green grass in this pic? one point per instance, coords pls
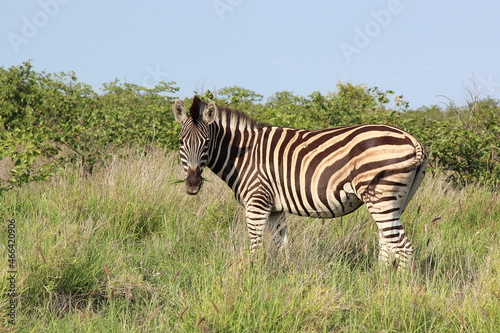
(127, 250)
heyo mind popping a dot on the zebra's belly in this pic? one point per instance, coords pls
(337, 204)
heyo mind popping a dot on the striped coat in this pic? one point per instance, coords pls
(319, 173)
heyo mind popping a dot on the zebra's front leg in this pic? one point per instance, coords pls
(256, 216)
(277, 225)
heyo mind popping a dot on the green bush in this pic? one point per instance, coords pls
(50, 121)
(469, 147)
(25, 138)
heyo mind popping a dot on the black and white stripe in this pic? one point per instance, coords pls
(319, 173)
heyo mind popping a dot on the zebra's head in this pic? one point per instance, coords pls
(194, 139)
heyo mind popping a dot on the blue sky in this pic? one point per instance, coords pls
(419, 49)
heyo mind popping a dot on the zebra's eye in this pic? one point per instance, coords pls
(181, 142)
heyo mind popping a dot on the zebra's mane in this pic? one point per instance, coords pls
(226, 116)
(237, 119)
(196, 107)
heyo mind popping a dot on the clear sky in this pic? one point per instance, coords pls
(419, 49)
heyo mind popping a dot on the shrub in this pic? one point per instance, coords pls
(49, 121)
(43, 114)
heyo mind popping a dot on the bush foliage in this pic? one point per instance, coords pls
(50, 121)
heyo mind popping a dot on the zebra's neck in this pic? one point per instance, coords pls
(232, 135)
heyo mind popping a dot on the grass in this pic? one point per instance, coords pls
(128, 251)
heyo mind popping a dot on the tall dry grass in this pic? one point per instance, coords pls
(128, 250)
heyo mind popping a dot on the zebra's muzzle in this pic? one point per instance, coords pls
(193, 180)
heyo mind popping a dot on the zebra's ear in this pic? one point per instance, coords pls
(179, 111)
(209, 112)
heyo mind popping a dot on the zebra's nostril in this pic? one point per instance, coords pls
(193, 179)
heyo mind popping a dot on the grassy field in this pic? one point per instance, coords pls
(127, 250)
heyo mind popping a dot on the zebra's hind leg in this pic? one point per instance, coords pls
(386, 202)
(395, 247)
(277, 225)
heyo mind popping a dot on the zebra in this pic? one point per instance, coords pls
(321, 173)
